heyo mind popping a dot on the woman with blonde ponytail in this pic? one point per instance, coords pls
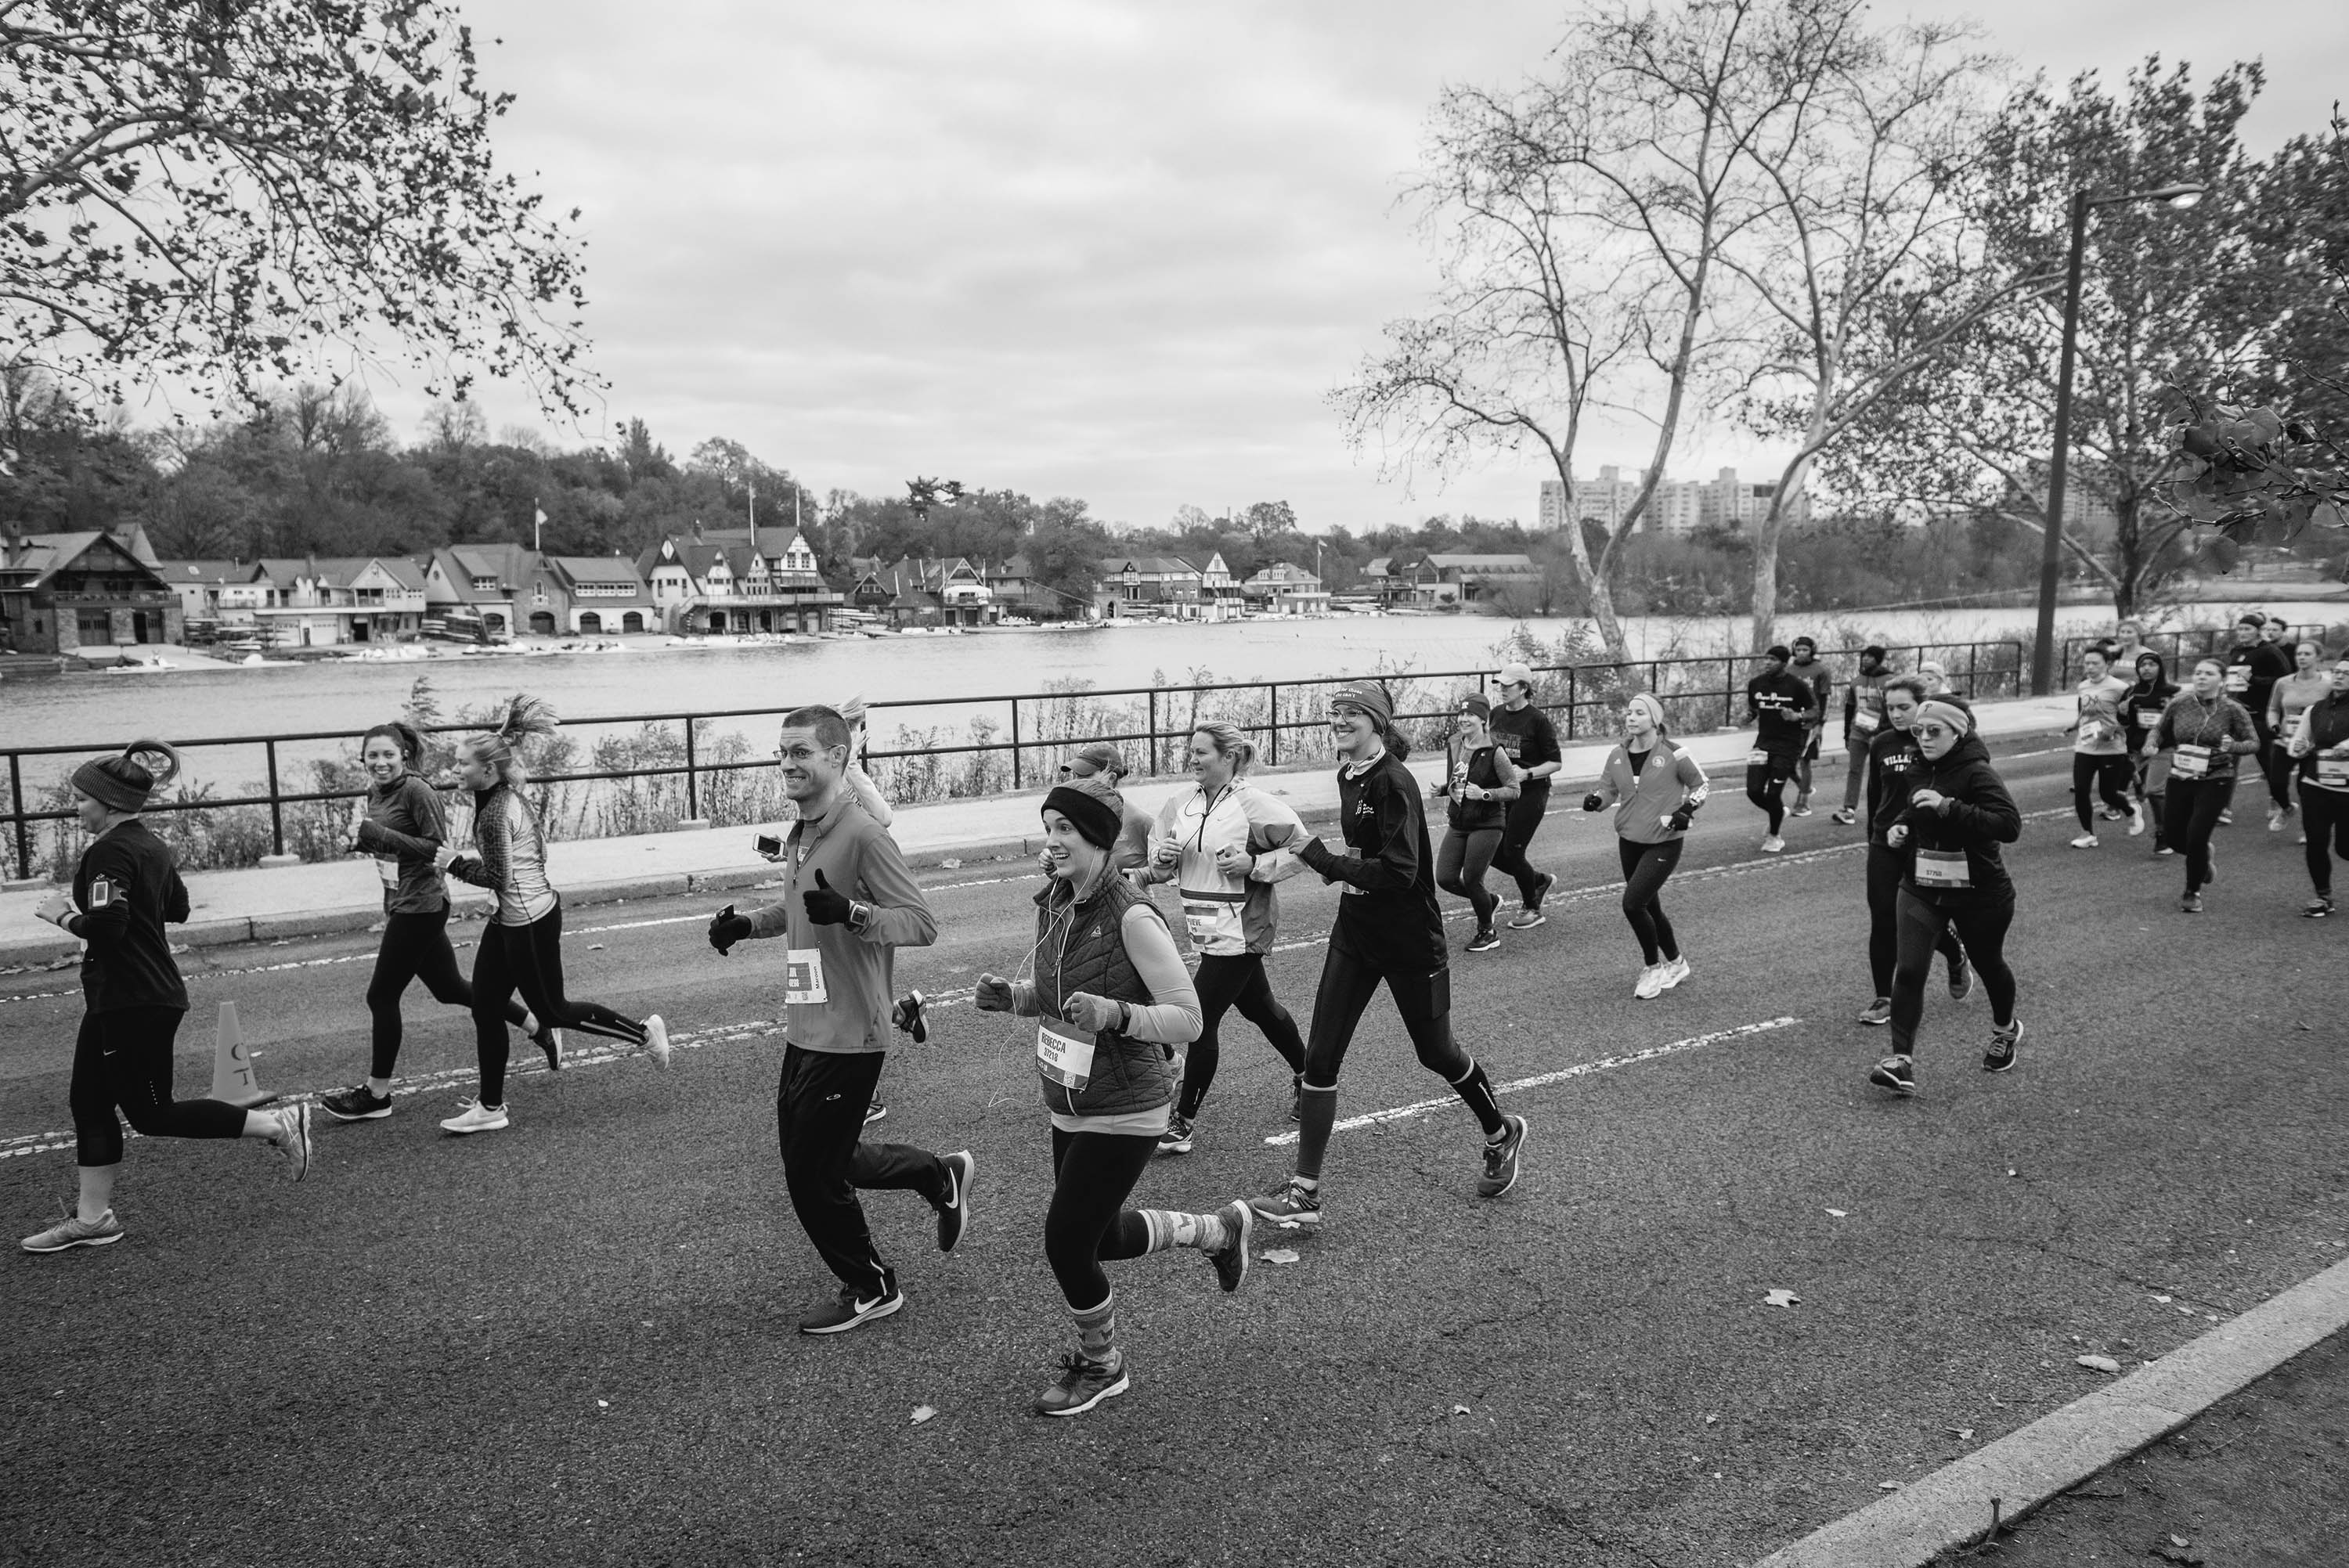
(126, 888)
(521, 944)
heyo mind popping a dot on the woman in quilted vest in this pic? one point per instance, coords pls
(1110, 999)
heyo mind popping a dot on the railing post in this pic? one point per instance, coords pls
(1154, 732)
(16, 804)
(1573, 700)
(1015, 743)
(277, 809)
(1276, 724)
(692, 783)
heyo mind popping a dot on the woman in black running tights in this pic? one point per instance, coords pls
(400, 823)
(126, 888)
(2205, 731)
(1479, 783)
(1656, 789)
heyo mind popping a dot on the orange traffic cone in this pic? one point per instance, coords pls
(232, 1077)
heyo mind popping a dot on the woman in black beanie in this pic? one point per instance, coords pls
(125, 889)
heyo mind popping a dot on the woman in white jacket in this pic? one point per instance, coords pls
(1224, 845)
(1655, 789)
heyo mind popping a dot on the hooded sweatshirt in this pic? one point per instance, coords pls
(1953, 848)
(2142, 707)
(1896, 767)
(2325, 725)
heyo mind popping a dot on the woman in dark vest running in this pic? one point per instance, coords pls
(126, 888)
(1111, 998)
(1479, 785)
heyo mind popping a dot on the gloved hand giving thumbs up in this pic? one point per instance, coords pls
(824, 906)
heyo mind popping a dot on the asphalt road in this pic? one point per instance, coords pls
(574, 1340)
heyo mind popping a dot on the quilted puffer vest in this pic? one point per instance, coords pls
(1129, 1075)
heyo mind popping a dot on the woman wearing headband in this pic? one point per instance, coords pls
(521, 942)
(1958, 815)
(1896, 764)
(400, 822)
(1655, 789)
(125, 890)
(1390, 930)
(1112, 999)
(2204, 731)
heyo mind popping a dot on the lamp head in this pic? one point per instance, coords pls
(2180, 197)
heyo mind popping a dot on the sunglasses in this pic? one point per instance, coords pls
(1933, 731)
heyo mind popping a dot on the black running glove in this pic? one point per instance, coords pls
(727, 928)
(1679, 820)
(1594, 802)
(824, 906)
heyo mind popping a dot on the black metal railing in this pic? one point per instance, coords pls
(1283, 717)
(2207, 641)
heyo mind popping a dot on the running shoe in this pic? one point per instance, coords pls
(550, 1040)
(908, 1017)
(1675, 970)
(1501, 1158)
(2275, 818)
(1231, 1259)
(2111, 813)
(358, 1103)
(2085, 841)
(472, 1117)
(2227, 819)
(848, 1310)
(1484, 941)
(875, 1111)
(1297, 1097)
(2318, 908)
(1895, 1073)
(1962, 980)
(1531, 916)
(1798, 812)
(2161, 851)
(2000, 1055)
(954, 1214)
(1083, 1383)
(2137, 819)
(1290, 1203)
(2191, 904)
(73, 1231)
(1773, 845)
(1845, 818)
(1879, 1011)
(1176, 1139)
(1651, 983)
(293, 1141)
(657, 1039)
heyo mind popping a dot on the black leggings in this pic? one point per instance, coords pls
(2092, 777)
(1460, 868)
(2190, 816)
(1526, 814)
(2325, 814)
(1225, 980)
(1645, 867)
(1088, 1223)
(416, 947)
(1981, 926)
(124, 1058)
(1886, 867)
(1765, 786)
(2282, 766)
(529, 959)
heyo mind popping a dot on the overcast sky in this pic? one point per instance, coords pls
(1076, 247)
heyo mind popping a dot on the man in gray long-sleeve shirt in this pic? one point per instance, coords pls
(848, 901)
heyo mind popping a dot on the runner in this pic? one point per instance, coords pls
(2205, 731)
(399, 821)
(1958, 815)
(2100, 757)
(1112, 1000)
(2253, 667)
(125, 890)
(1937, 680)
(2287, 701)
(1779, 704)
(2321, 742)
(1525, 733)
(1863, 719)
(1655, 789)
(522, 942)
(1479, 782)
(1223, 846)
(906, 1014)
(1389, 928)
(2128, 645)
(1098, 758)
(2141, 710)
(1896, 765)
(1805, 667)
(848, 903)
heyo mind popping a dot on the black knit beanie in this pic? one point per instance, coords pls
(1093, 807)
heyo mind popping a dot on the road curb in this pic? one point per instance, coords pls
(1951, 1507)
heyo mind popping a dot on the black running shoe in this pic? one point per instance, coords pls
(2000, 1055)
(874, 1111)
(550, 1040)
(1895, 1073)
(1962, 980)
(357, 1103)
(908, 1018)
(954, 1214)
(2318, 908)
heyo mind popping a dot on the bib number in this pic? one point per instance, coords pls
(1944, 868)
(1757, 759)
(2191, 762)
(2238, 678)
(1199, 919)
(1064, 1053)
(803, 977)
(1865, 723)
(387, 867)
(2148, 718)
(2333, 770)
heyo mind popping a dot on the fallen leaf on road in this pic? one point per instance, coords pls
(594, 947)
(1888, 1486)
(2010, 1173)
(1460, 1410)
(1780, 1298)
(1838, 1214)
(602, 1404)
(2163, 1299)
(1961, 1433)
(2179, 1541)
(1279, 1255)
(2098, 1363)
(1709, 1420)
(922, 1413)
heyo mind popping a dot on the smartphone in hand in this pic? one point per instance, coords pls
(768, 845)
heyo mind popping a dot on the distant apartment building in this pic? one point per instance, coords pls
(1678, 506)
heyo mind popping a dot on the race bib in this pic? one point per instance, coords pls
(1064, 1053)
(2238, 678)
(2147, 717)
(388, 868)
(1944, 868)
(1865, 722)
(803, 977)
(2092, 730)
(1757, 759)
(2333, 770)
(2191, 762)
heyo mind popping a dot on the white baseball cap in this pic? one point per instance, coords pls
(1514, 674)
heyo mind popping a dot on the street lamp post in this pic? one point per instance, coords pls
(2050, 560)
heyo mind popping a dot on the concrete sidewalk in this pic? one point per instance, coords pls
(263, 905)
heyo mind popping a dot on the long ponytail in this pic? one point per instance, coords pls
(526, 719)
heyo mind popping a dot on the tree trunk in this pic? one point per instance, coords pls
(1766, 585)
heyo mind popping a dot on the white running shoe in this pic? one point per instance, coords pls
(1651, 983)
(1774, 845)
(656, 1038)
(2085, 841)
(1675, 970)
(472, 1116)
(2136, 818)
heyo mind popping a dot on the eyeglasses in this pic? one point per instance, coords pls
(1931, 731)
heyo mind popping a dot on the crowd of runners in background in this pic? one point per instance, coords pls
(1127, 1035)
